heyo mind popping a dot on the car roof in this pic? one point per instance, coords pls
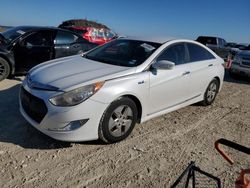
(160, 40)
(35, 28)
(38, 28)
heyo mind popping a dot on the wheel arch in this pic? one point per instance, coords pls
(218, 79)
(138, 105)
(12, 68)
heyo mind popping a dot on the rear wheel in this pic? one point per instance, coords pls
(233, 75)
(4, 69)
(118, 120)
(211, 92)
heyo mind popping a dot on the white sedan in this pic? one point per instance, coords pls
(105, 92)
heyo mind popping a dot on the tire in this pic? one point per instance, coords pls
(4, 69)
(118, 120)
(233, 75)
(211, 92)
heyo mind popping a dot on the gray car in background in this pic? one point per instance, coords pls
(241, 63)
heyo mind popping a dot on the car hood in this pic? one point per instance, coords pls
(74, 71)
(244, 53)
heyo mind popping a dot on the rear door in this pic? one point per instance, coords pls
(201, 64)
(168, 88)
(67, 43)
(33, 49)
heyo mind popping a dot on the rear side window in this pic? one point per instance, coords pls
(63, 37)
(78, 31)
(198, 53)
(175, 53)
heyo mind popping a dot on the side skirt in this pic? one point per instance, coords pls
(177, 106)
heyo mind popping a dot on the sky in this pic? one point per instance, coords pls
(228, 19)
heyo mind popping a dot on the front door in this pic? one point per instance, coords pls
(168, 88)
(33, 49)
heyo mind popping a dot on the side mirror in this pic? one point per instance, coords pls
(164, 64)
(22, 42)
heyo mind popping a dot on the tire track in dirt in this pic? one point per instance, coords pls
(194, 141)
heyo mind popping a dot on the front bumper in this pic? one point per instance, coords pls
(58, 117)
(237, 69)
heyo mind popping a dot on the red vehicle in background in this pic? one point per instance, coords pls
(95, 35)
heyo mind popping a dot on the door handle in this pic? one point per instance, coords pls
(210, 65)
(185, 73)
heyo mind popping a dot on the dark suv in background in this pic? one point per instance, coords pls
(22, 48)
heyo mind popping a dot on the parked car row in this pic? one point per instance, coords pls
(21, 48)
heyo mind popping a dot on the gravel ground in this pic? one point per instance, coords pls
(153, 156)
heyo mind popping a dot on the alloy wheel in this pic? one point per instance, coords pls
(211, 93)
(2, 69)
(120, 121)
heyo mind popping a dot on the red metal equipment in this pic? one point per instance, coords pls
(242, 181)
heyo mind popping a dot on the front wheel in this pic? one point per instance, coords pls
(211, 92)
(118, 120)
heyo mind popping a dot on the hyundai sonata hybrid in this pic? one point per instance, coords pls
(103, 93)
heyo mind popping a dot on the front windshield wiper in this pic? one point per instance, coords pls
(102, 60)
(97, 59)
(91, 58)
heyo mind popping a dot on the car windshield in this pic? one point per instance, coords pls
(13, 33)
(123, 52)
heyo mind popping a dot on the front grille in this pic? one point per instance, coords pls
(33, 106)
(246, 63)
(246, 58)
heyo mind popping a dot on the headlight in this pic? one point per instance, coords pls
(76, 96)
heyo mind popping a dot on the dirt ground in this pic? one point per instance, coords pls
(153, 156)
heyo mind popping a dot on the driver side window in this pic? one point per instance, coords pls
(175, 53)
